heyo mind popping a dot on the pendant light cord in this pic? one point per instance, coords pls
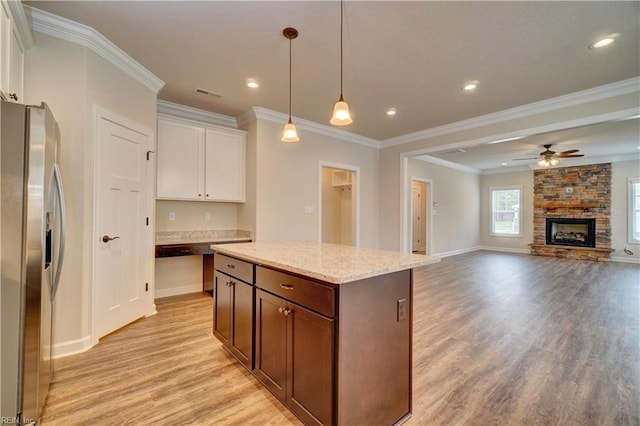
(289, 80)
(341, 53)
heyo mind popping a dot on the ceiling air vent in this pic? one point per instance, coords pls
(208, 93)
(452, 151)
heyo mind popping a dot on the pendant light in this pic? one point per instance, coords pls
(290, 133)
(341, 115)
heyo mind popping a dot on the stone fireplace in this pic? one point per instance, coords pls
(572, 212)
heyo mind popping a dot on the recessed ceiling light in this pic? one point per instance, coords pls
(503, 164)
(252, 84)
(604, 42)
(391, 111)
(470, 86)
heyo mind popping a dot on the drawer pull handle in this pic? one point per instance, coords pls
(284, 311)
(286, 286)
(231, 266)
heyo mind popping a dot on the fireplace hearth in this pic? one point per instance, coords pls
(571, 232)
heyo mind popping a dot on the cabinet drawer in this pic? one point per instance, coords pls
(307, 293)
(234, 267)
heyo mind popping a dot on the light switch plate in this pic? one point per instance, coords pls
(207, 216)
(172, 216)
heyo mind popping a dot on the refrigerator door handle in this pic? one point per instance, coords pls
(63, 229)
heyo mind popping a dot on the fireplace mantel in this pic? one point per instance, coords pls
(553, 205)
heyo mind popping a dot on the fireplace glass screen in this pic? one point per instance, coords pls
(571, 232)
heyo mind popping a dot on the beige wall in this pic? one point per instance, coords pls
(337, 211)
(620, 172)
(455, 208)
(190, 215)
(71, 79)
(520, 178)
(390, 157)
(287, 181)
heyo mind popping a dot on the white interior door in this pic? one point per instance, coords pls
(121, 229)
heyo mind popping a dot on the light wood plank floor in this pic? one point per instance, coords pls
(499, 338)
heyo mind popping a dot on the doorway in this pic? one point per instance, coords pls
(420, 216)
(338, 218)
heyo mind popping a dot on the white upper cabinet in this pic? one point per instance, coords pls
(12, 48)
(200, 162)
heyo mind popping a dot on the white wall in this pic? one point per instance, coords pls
(286, 181)
(620, 172)
(71, 78)
(455, 209)
(519, 244)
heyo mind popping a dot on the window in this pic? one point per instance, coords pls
(634, 211)
(505, 210)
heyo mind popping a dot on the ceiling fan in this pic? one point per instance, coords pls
(550, 158)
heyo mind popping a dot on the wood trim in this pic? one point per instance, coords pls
(552, 205)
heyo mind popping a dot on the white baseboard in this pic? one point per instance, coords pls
(71, 347)
(625, 259)
(175, 291)
(456, 252)
(506, 249)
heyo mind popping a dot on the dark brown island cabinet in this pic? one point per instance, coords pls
(334, 354)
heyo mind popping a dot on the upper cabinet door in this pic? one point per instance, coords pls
(180, 161)
(5, 34)
(225, 166)
(16, 66)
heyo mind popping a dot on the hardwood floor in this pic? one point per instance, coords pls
(499, 338)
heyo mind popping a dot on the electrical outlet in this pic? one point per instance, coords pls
(172, 216)
(207, 216)
(308, 209)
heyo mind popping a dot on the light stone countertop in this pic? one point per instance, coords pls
(332, 263)
(201, 236)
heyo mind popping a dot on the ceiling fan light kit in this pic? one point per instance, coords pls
(550, 158)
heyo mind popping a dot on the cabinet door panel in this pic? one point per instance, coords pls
(310, 366)
(180, 161)
(271, 343)
(16, 65)
(5, 33)
(225, 159)
(222, 309)
(242, 321)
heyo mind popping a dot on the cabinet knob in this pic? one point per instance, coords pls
(199, 195)
(230, 283)
(13, 96)
(284, 311)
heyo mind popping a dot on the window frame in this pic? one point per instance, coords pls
(632, 228)
(493, 189)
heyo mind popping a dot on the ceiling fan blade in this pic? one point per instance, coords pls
(569, 156)
(571, 151)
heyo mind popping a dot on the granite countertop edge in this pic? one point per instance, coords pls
(201, 236)
(396, 261)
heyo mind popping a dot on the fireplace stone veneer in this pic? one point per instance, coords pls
(582, 192)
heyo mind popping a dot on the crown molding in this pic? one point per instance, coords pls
(190, 113)
(19, 19)
(620, 88)
(65, 29)
(302, 124)
(449, 164)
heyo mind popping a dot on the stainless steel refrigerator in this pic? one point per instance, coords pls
(32, 239)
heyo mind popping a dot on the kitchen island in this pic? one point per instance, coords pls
(326, 328)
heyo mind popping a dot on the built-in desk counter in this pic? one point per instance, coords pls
(190, 243)
(326, 328)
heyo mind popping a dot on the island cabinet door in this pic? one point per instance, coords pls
(242, 322)
(222, 300)
(310, 365)
(271, 343)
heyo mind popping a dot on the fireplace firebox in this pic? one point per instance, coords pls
(571, 232)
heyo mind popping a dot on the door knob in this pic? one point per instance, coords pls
(106, 238)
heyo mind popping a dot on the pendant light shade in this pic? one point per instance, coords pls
(341, 115)
(290, 134)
